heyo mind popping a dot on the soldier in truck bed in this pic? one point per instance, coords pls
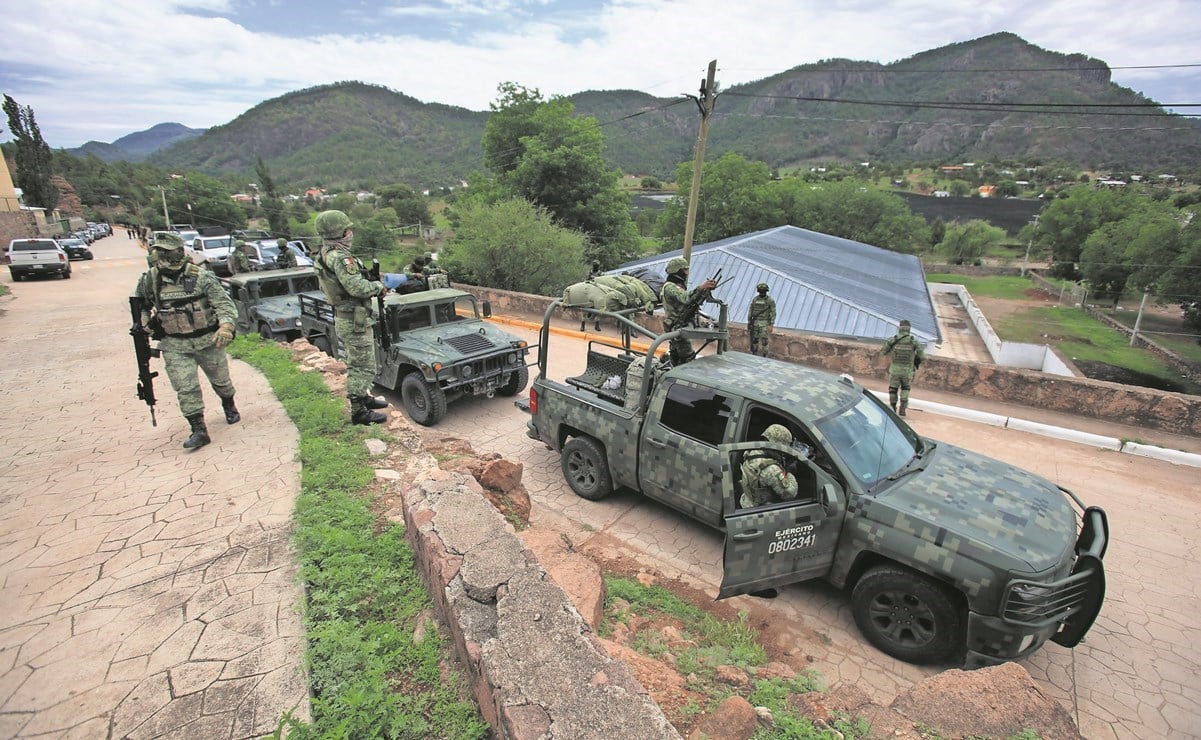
(675, 299)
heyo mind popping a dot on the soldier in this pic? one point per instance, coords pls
(344, 281)
(760, 319)
(238, 261)
(193, 317)
(907, 357)
(764, 477)
(287, 258)
(675, 297)
(435, 276)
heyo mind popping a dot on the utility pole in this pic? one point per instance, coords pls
(163, 192)
(1030, 243)
(705, 103)
(1139, 319)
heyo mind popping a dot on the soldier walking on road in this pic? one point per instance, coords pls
(287, 258)
(344, 281)
(675, 299)
(907, 357)
(760, 319)
(193, 318)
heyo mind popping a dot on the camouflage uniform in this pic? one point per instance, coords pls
(764, 479)
(346, 287)
(907, 356)
(675, 296)
(760, 319)
(238, 261)
(189, 307)
(287, 258)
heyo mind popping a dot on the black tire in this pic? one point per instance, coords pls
(586, 469)
(908, 616)
(321, 342)
(66, 274)
(425, 403)
(265, 333)
(518, 379)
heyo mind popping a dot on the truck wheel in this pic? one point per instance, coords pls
(66, 274)
(586, 469)
(425, 403)
(517, 382)
(321, 342)
(907, 615)
(265, 333)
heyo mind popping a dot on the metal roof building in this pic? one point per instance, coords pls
(822, 284)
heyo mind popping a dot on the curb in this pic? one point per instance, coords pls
(1176, 457)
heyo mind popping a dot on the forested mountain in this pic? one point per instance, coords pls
(963, 102)
(138, 146)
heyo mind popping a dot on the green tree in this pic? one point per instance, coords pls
(959, 188)
(514, 245)
(847, 210)
(32, 157)
(733, 199)
(541, 152)
(372, 239)
(266, 183)
(964, 244)
(1066, 222)
(409, 206)
(206, 199)
(1104, 262)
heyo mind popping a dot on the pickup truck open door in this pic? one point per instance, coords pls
(779, 543)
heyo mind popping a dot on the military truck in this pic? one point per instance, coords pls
(949, 556)
(433, 347)
(269, 303)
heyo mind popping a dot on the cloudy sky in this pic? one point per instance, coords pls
(98, 71)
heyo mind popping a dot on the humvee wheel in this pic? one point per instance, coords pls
(265, 333)
(907, 615)
(321, 342)
(586, 469)
(425, 403)
(517, 382)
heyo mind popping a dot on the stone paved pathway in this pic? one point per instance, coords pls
(145, 591)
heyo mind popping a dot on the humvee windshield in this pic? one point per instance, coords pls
(287, 286)
(462, 308)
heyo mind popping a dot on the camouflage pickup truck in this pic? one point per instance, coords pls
(949, 556)
(433, 347)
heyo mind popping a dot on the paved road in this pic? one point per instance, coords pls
(1135, 677)
(145, 591)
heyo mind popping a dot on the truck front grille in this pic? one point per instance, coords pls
(471, 343)
(1037, 604)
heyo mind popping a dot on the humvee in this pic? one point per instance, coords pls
(268, 302)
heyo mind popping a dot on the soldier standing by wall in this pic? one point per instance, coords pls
(907, 357)
(760, 319)
(343, 280)
(675, 298)
(193, 318)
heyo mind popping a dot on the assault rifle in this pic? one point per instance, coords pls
(381, 331)
(692, 308)
(143, 351)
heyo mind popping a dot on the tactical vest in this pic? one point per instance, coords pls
(330, 285)
(761, 310)
(904, 351)
(179, 310)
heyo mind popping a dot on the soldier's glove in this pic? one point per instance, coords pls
(224, 335)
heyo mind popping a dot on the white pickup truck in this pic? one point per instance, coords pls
(26, 257)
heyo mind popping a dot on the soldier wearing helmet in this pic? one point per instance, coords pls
(239, 262)
(765, 479)
(286, 258)
(346, 286)
(760, 319)
(907, 356)
(193, 318)
(675, 296)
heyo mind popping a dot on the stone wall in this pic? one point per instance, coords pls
(16, 225)
(1146, 407)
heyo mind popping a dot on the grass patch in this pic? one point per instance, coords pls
(707, 643)
(368, 676)
(988, 286)
(1168, 331)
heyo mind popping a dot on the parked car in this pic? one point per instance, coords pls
(26, 257)
(266, 255)
(188, 235)
(84, 235)
(211, 251)
(76, 249)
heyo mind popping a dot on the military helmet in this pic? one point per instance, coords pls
(761, 287)
(281, 242)
(332, 224)
(675, 264)
(778, 433)
(167, 240)
(429, 257)
(904, 325)
(239, 244)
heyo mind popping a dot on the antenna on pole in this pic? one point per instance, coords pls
(705, 103)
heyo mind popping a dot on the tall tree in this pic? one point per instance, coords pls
(967, 243)
(1066, 223)
(32, 157)
(540, 151)
(410, 206)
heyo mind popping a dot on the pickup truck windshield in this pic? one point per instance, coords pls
(869, 441)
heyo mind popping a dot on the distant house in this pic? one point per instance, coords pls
(941, 194)
(314, 193)
(822, 284)
(951, 169)
(1108, 183)
(988, 191)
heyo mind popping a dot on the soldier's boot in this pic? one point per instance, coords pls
(231, 411)
(904, 405)
(360, 414)
(374, 402)
(892, 398)
(200, 433)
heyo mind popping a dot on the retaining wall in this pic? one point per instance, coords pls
(1097, 399)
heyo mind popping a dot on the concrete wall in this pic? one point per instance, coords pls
(1097, 399)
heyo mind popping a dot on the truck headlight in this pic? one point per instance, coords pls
(465, 371)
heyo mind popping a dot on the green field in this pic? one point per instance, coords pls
(991, 286)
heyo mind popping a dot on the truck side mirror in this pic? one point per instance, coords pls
(487, 309)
